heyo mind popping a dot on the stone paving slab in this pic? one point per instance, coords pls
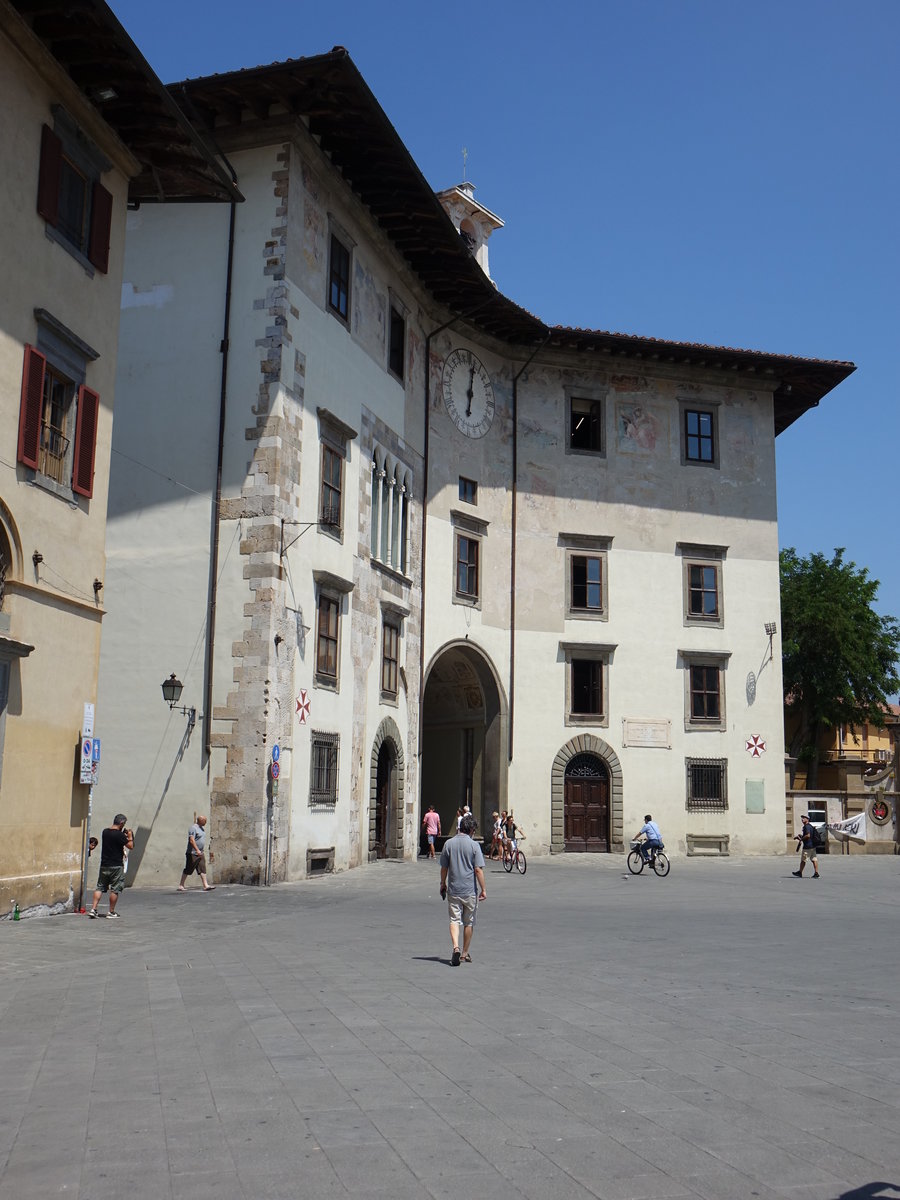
(727, 1033)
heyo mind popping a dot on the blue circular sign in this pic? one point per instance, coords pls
(276, 752)
(275, 770)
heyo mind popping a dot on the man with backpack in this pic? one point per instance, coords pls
(808, 837)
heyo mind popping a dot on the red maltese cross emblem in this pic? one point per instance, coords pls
(755, 746)
(303, 706)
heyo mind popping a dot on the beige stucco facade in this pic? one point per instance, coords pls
(481, 709)
(51, 538)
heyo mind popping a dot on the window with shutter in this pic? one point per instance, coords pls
(85, 442)
(31, 407)
(71, 198)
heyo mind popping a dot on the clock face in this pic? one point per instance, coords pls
(468, 394)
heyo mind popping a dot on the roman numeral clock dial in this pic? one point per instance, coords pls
(468, 393)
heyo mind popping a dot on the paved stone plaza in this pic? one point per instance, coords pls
(727, 1032)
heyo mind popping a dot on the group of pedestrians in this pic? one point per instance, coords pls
(115, 843)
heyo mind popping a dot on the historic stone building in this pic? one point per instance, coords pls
(403, 542)
(84, 127)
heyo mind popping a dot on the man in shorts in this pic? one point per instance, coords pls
(431, 823)
(194, 858)
(462, 880)
(809, 842)
(111, 876)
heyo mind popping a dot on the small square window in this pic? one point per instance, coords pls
(707, 784)
(468, 490)
(339, 279)
(467, 567)
(323, 769)
(397, 346)
(699, 436)
(585, 424)
(390, 659)
(327, 643)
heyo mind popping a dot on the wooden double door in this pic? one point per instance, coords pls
(586, 805)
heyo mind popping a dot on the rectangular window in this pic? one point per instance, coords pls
(703, 590)
(328, 616)
(323, 769)
(699, 436)
(397, 347)
(390, 659)
(58, 415)
(587, 583)
(707, 784)
(705, 701)
(74, 203)
(587, 687)
(339, 278)
(468, 490)
(585, 424)
(332, 478)
(466, 567)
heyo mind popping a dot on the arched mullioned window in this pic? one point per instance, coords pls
(391, 494)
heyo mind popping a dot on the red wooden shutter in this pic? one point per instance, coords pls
(85, 442)
(101, 219)
(30, 409)
(49, 177)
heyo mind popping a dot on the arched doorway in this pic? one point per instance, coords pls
(383, 776)
(387, 788)
(579, 796)
(464, 737)
(586, 805)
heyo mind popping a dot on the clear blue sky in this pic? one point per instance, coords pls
(688, 169)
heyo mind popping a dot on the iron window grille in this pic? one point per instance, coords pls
(707, 784)
(323, 771)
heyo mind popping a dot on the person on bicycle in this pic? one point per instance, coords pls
(513, 833)
(652, 842)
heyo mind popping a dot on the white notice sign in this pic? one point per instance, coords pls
(654, 734)
(87, 724)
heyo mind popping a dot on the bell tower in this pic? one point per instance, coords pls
(474, 223)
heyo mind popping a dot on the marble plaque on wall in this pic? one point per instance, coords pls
(653, 734)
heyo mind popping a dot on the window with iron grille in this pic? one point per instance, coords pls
(332, 479)
(707, 784)
(466, 567)
(699, 436)
(390, 659)
(339, 278)
(323, 769)
(328, 618)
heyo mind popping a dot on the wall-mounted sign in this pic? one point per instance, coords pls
(755, 746)
(303, 706)
(652, 734)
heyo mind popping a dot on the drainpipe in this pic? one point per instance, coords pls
(512, 538)
(220, 454)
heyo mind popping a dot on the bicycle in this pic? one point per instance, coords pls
(658, 860)
(514, 858)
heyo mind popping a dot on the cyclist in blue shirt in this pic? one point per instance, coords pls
(652, 838)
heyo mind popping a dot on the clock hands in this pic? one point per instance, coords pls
(470, 391)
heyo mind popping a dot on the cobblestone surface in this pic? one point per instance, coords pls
(727, 1032)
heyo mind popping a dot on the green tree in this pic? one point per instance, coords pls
(840, 656)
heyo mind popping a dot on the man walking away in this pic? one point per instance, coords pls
(809, 840)
(111, 876)
(462, 880)
(194, 858)
(431, 823)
